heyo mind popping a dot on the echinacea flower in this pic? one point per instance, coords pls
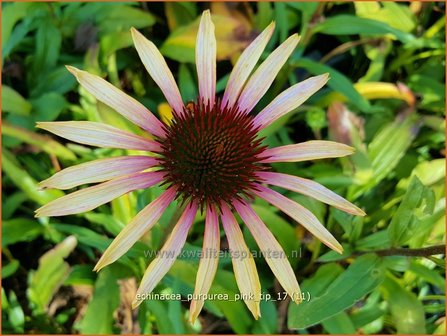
(209, 157)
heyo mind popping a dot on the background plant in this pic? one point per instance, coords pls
(385, 97)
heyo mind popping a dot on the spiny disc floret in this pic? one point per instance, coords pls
(210, 153)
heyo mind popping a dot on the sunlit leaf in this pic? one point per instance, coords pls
(13, 102)
(50, 274)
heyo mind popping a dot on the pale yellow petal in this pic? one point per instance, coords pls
(208, 263)
(98, 171)
(167, 255)
(273, 253)
(98, 134)
(243, 263)
(305, 151)
(90, 198)
(158, 69)
(127, 106)
(310, 188)
(136, 228)
(245, 65)
(206, 58)
(260, 81)
(300, 214)
(289, 100)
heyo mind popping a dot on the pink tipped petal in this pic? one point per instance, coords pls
(309, 150)
(310, 188)
(98, 171)
(98, 134)
(289, 100)
(136, 228)
(263, 77)
(245, 65)
(300, 214)
(127, 106)
(206, 58)
(208, 263)
(243, 263)
(269, 246)
(92, 197)
(167, 255)
(158, 69)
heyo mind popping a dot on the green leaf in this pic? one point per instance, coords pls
(418, 200)
(187, 84)
(122, 18)
(282, 230)
(13, 102)
(180, 13)
(12, 203)
(44, 142)
(349, 25)
(81, 275)
(115, 41)
(407, 311)
(396, 15)
(48, 44)
(353, 284)
(48, 106)
(15, 314)
(390, 145)
(337, 81)
(430, 172)
(430, 275)
(267, 323)
(20, 229)
(10, 268)
(224, 283)
(11, 14)
(431, 90)
(25, 182)
(50, 274)
(339, 324)
(98, 318)
(109, 222)
(366, 315)
(58, 80)
(376, 240)
(160, 312)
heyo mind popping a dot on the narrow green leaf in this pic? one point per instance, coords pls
(15, 314)
(98, 318)
(13, 102)
(390, 145)
(19, 230)
(339, 324)
(122, 18)
(10, 268)
(337, 81)
(48, 106)
(350, 24)
(366, 316)
(25, 182)
(353, 284)
(50, 274)
(418, 200)
(407, 311)
(48, 44)
(44, 142)
(235, 311)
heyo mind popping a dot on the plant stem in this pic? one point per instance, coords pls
(419, 252)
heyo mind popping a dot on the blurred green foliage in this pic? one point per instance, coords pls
(386, 97)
